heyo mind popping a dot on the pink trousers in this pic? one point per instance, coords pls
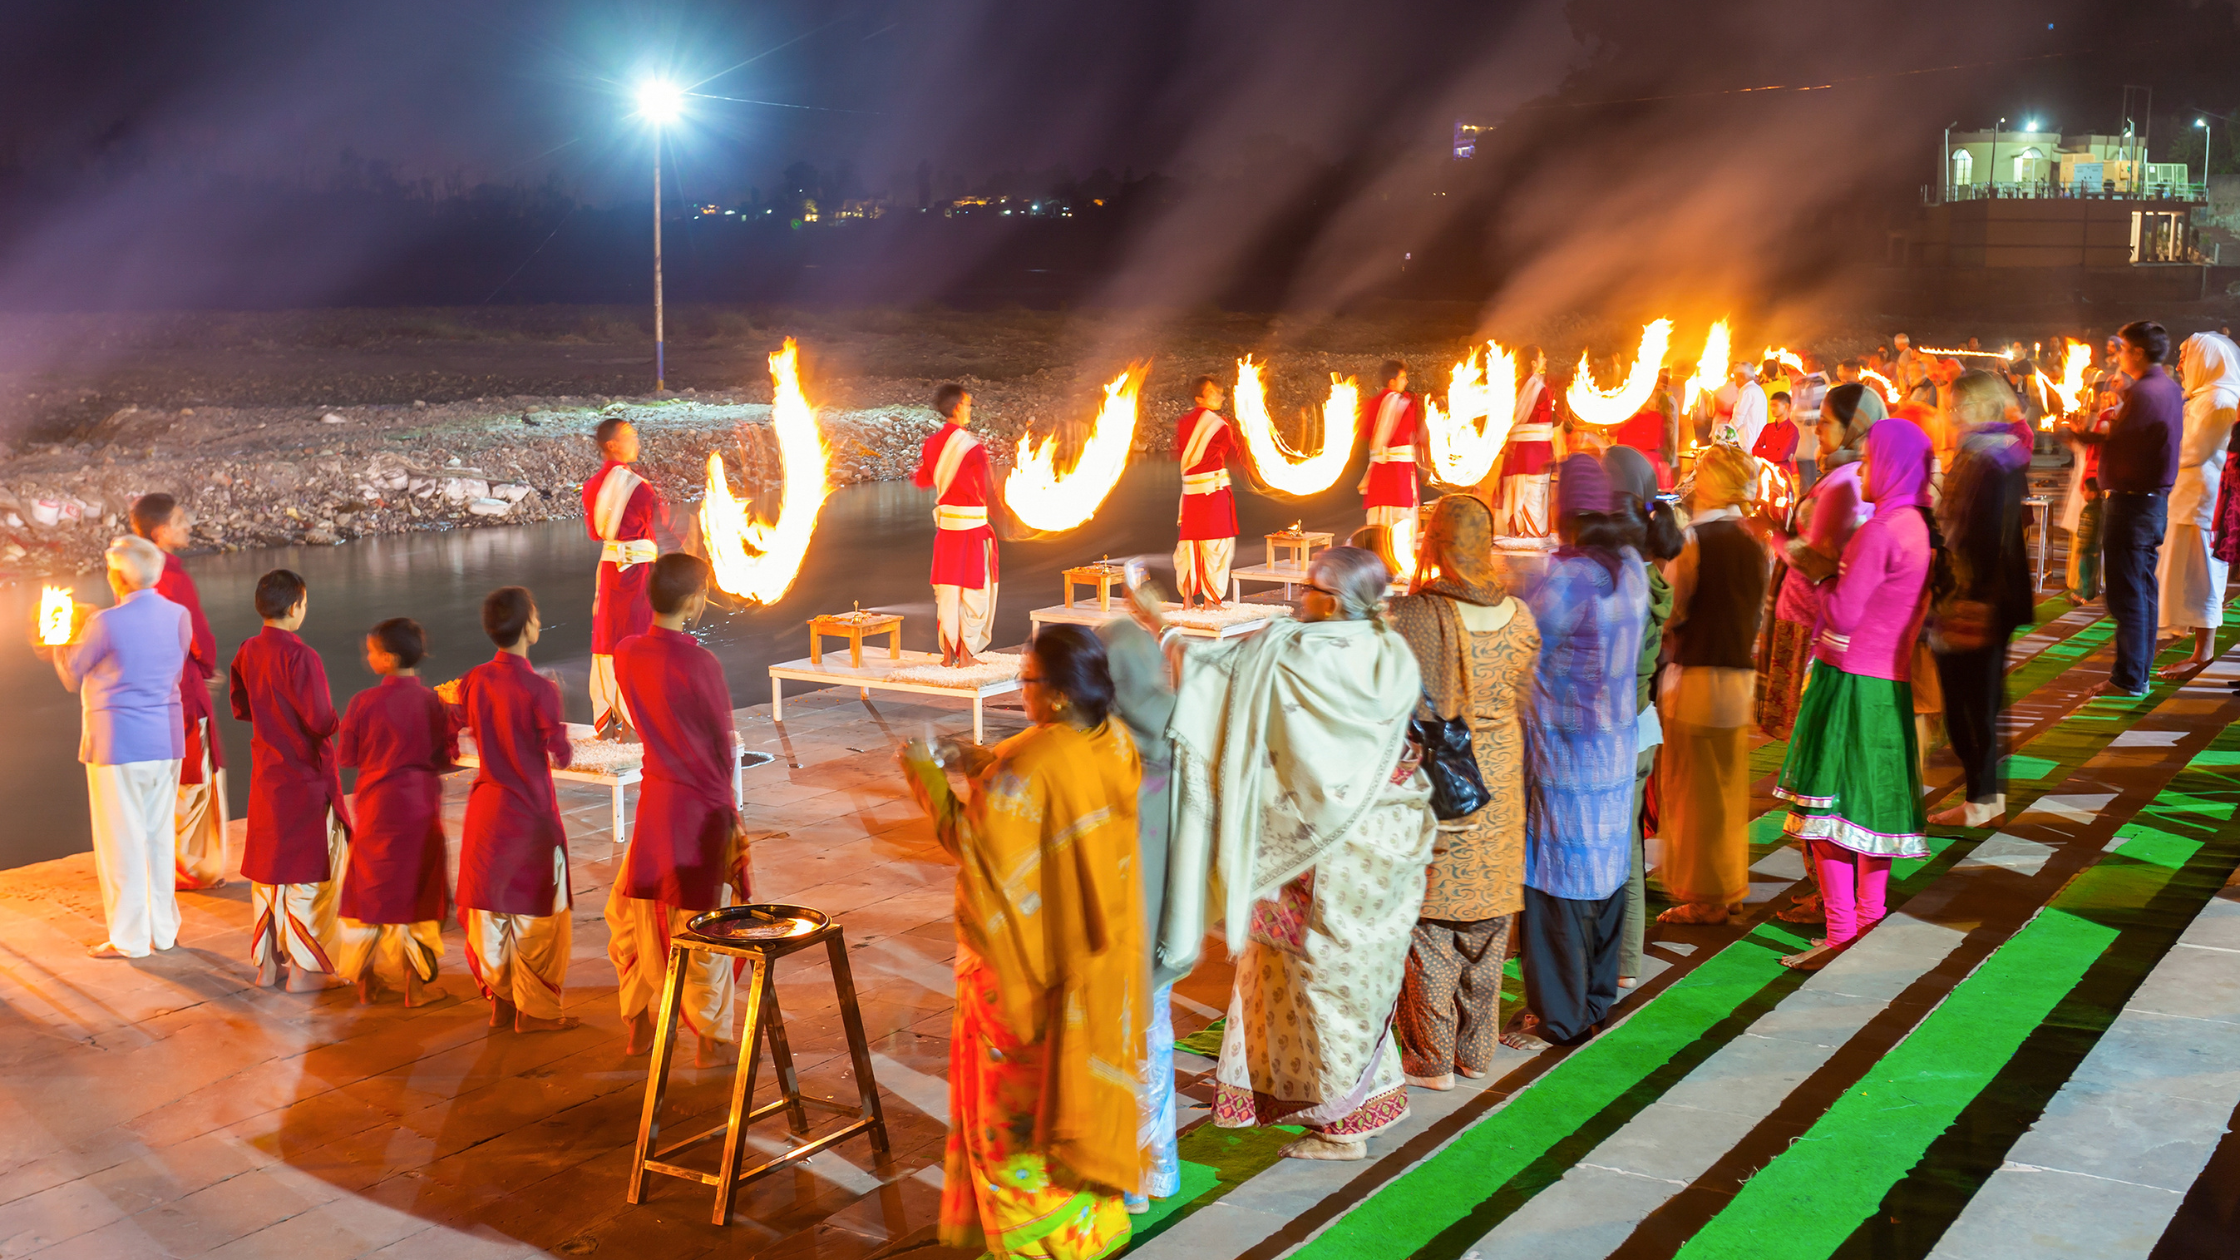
(1852, 888)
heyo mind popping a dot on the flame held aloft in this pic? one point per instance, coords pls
(1776, 487)
(1481, 409)
(750, 557)
(1711, 366)
(1783, 355)
(57, 616)
(1606, 408)
(1045, 499)
(1881, 384)
(1279, 466)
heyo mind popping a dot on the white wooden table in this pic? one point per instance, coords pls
(876, 675)
(619, 781)
(1059, 614)
(1288, 576)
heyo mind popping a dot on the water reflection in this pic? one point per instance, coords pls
(872, 546)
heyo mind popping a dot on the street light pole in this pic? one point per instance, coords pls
(660, 368)
(2208, 148)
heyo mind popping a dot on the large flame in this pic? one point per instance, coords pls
(1482, 408)
(1782, 354)
(1776, 487)
(1606, 408)
(2079, 361)
(753, 558)
(1881, 385)
(1711, 367)
(1281, 467)
(1038, 494)
(57, 613)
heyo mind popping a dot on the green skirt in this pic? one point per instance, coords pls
(1852, 776)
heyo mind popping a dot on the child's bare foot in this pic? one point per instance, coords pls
(708, 1052)
(301, 980)
(640, 1030)
(369, 987)
(418, 992)
(526, 1023)
(269, 973)
(501, 1013)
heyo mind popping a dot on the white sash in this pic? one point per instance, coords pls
(1393, 455)
(954, 516)
(622, 553)
(959, 445)
(1205, 483)
(1528, 397)
(613, 499)
(1388, 415)
(1201, 438)
(1532, 433)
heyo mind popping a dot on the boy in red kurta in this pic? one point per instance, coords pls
(1522, 508)
(297, 828)
(1388, 488)
(683, 858)
(621, 511)
(1207, 522)
(1777, 441)
(402, 739)
(199, 818)
(513, 851)
(955, 464)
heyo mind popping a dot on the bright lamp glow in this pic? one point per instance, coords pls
(660, 101)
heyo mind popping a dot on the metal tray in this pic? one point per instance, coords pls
(759, 923)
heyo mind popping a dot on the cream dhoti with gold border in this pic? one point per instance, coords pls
(390, 949)
(294, 924)
(638, 934)
(198, 821)
(1201, 567)
(965, 616)
(606, 697)
(523, 958)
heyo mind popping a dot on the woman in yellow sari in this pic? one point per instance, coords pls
(1048, 1047)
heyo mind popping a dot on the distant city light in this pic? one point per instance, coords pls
(2031, 125)
(660, 102)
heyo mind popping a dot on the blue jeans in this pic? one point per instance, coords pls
(2130, 541)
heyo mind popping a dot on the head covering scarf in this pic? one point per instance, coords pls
(1582, 485)
(1898, 458)
(1457, 556)
(1630, 473)
(1725, 476)
(2209, 361)
(1849, 404)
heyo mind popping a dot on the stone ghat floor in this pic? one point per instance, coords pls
(2038, 1054)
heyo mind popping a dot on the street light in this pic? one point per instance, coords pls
(2207, 151)
(660, 102)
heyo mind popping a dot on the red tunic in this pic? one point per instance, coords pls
(202, 666)
(675, 689)
(1214, 514)
(1393, 484)
(619, 608)
(402, 740)
(1777, 442)
(279, 687)
(1532, 444)
(1645, 433)
(961, 557)
(513, 816)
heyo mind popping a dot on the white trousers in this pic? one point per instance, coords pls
(298, 920)
(965, 616)
(199, 823)
(1524, 507)
(523, 958)
(132, 857)
(1201, 566)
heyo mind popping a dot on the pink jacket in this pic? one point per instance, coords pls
(1870, 622)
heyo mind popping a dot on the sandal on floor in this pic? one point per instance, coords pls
(1696, 912)
(1315, 1146)
(1521, 1037)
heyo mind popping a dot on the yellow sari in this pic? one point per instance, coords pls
(1047, 1055)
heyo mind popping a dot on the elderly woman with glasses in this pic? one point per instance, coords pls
(1046, 1054)
(1294, 778)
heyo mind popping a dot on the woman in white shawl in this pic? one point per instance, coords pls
(1298, 793)
(2192, 578)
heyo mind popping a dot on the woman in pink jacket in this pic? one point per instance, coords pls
(1852, 776)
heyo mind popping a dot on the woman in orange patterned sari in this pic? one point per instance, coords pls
(1048, 1045)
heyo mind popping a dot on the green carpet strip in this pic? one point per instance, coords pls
(1441, 1207)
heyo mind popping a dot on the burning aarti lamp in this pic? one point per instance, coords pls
(60, 617)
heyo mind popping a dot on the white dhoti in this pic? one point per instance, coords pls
(2192, 581)
(132, 808)
(606, 694)
(198, 821)
(1524, 507)
(523, 958)
(1400, 522)
(389, 949)
(298, 920)
(965, 616)
(1201, 566)
(638, 935)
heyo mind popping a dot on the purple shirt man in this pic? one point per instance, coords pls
(125, 669)
(2140, 454)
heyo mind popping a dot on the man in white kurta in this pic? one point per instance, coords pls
(2191, 577)
(1750, 406)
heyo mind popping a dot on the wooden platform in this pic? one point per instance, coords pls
(877, 675)
(1059, 614)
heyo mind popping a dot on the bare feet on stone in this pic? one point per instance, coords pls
(1316, 1146)
(501, 1013)
(302, 981)
(639, 1039)
(106, 949)
(1696, 912)
(1442, 1082)
(269, 973)
(369, 988)
(526, 1023)
(708, 1052)
(418, 992)
(2184, 668)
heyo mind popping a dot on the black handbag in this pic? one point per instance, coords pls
(1457, 789)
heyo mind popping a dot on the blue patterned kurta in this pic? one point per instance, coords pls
(1579, 726)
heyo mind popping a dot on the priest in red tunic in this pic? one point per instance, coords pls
(684, 858)
(621, 510)
(1523, 508)
(1207, 522)
(955, 464)
(402, 739)
(1388, 489)
(297, 828)
(513, 850)
(199, 818)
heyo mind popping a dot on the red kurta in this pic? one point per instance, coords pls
(279, 687)
(1777, 442)
(513, 816)
(1645, 432)
(201, 667)
(1532, 444)
(675, 688)
(619, 608)
(1212, 514)
(961, 557)
(402, 740)
(1393, 484)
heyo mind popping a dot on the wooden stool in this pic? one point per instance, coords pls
(852, 626)
(1103, 575)
(1298, 547)
(761, 934)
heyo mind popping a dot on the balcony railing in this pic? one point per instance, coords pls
(2036, 190)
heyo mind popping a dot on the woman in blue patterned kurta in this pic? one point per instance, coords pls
(1579, 746)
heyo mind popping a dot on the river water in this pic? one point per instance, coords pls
(872, 545)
